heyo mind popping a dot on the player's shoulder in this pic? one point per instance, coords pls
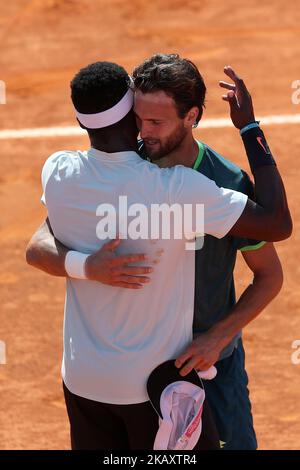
(224, 172)
(62, 164)
(63, 158)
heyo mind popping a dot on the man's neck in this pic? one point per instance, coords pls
(115, 144)
(185, 154)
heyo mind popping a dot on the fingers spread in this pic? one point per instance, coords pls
(240, 85)
(126, 259)
(228, 70)
(127, 285)
(134, 279)
(134, 270)
(230, 97)
(229, 86)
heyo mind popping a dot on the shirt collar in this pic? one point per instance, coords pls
(115, 156)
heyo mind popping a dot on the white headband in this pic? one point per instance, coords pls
(110, 116)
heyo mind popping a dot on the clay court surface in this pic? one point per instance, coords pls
(43, 43)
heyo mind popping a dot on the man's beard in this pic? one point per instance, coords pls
(170, 144)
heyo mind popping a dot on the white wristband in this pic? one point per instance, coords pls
(75, 264)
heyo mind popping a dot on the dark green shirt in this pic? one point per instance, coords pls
(214, 283)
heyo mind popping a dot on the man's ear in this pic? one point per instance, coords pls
(191, 116)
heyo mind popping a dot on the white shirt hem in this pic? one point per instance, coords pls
(103, 399)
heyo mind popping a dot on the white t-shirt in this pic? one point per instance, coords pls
(115, 337)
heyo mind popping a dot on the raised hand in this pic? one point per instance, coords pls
(239, 98)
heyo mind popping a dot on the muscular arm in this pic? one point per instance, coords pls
(267, 282)
(204, 351)
(45, 252)
(268, 218)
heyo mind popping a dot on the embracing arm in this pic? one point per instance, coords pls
(45, 252)
(204, 351)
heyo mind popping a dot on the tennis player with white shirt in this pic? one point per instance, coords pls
(113, 337)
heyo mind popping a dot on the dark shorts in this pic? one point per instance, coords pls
(103, 426)
(228, 396)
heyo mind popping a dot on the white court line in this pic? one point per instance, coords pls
(69, 131)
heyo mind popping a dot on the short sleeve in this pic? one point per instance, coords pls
(222, 207)
(53, 163)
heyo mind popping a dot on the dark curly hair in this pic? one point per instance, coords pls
(98, 87)
(177, 77)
